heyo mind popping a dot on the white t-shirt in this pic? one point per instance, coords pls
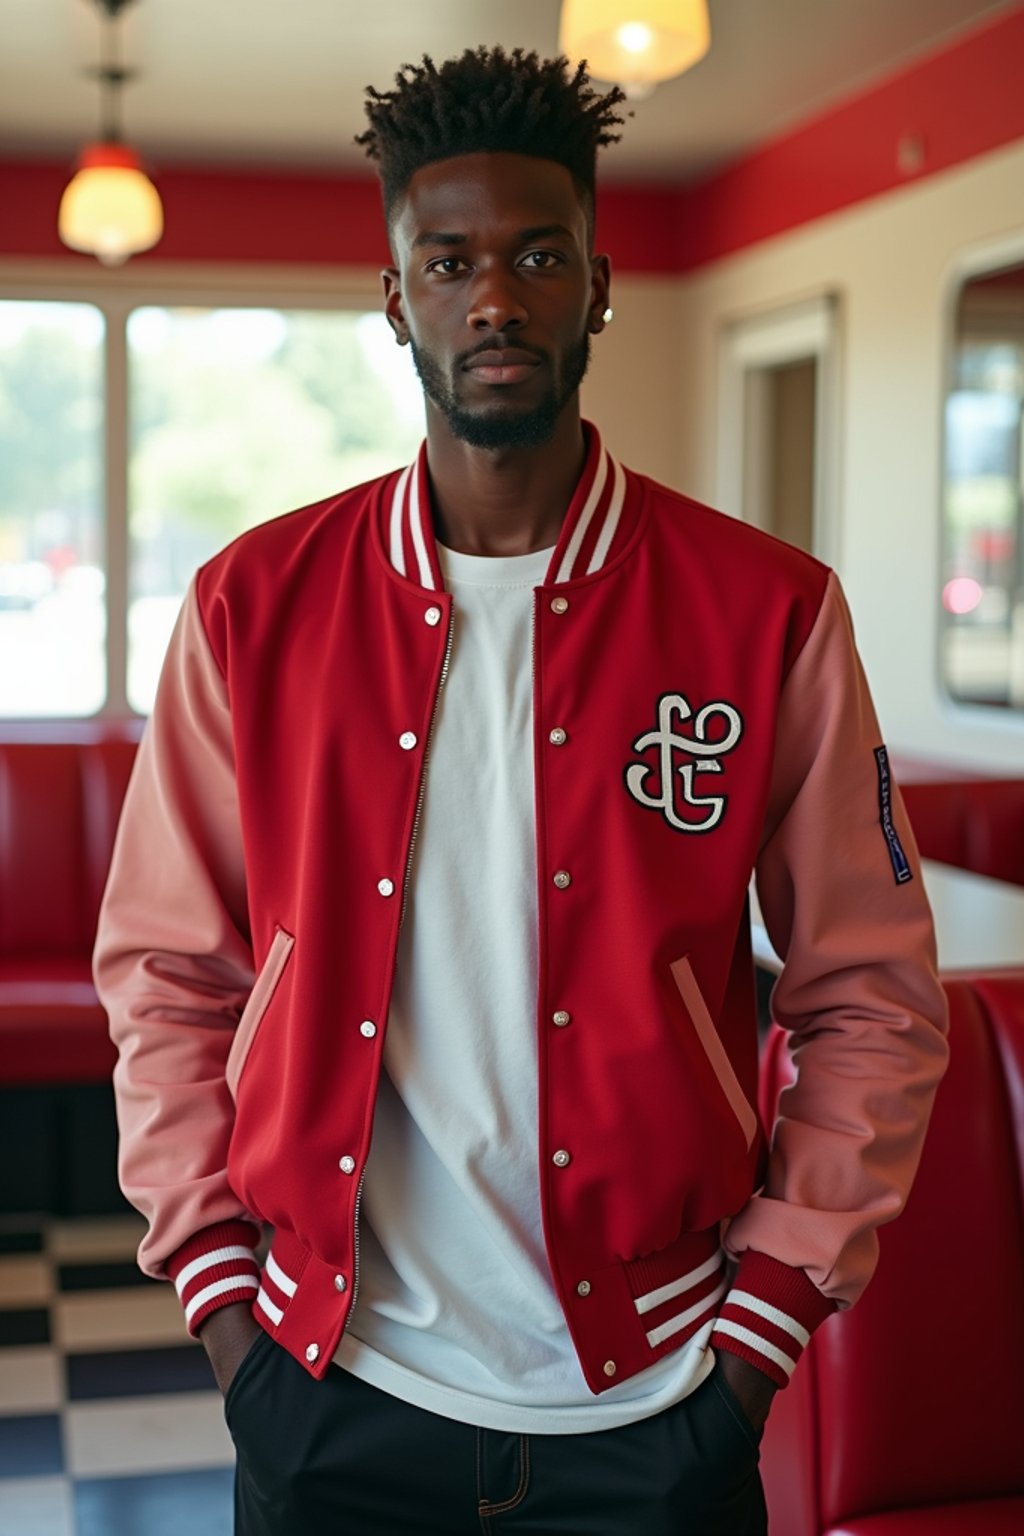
(456, 1311)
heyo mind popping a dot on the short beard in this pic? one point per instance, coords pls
(499, 427)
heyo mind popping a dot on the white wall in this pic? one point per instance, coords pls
(632, 389)
(891, 262)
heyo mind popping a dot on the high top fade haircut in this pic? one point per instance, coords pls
(489, 100)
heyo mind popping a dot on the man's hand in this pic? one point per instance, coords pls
(752, 1387)
(227, 1335)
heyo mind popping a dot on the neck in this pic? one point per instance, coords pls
(503, 501)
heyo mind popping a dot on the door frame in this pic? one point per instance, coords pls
(750, 346)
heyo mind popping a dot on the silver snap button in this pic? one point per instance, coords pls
(583, 1289)
(561, 1018)
(386, 887)
(558, 737)
(433, 616)
(340, 1283)
(312, 1352)
(368, 1029)
(559, 604)
(407, 740)
(561, 1159)
(610, 1367)
(562, 879)
(347, 1164)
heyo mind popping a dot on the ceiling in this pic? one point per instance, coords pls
(271, 83)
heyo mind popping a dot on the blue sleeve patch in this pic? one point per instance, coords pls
(900, 864)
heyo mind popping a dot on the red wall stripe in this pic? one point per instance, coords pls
(241, 216)
(213, 215)
(961, 101)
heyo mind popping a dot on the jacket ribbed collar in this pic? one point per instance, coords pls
(598, 523)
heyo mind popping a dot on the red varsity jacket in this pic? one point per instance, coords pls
(699, 714)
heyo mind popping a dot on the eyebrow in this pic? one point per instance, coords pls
(535, 232)
(438, 237)
(544, 232)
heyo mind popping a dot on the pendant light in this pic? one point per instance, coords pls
(636, 43)
(110, 208)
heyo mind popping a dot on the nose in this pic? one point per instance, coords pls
(496, 303)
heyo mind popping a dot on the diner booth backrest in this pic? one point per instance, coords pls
(976, 824)
(905, 1416)
(59, 805)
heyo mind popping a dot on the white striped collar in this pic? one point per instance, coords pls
(595, 527)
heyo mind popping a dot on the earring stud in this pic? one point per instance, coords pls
(608, 316)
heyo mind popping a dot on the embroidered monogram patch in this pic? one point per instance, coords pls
(667, 786)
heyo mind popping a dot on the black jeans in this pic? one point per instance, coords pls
(340, 1458)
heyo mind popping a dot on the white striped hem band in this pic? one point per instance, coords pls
(652, 1299)
(273, 1311)
(675, 1324)
(283, 1282)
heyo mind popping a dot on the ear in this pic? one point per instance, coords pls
(600, 288)
(393, 310)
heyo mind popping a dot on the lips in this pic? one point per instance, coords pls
(502, 365)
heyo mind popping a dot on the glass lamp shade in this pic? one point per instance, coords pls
(635, 42)
(110, 208)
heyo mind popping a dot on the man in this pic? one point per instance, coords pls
(442, 828)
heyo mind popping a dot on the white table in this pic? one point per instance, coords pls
(979, 923)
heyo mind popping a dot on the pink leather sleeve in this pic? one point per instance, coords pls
(858, 991)
(173, 967)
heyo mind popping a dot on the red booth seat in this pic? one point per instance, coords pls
(976, 824)
(906, 1414)
(59, 806)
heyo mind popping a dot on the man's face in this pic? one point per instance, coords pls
(496, 292)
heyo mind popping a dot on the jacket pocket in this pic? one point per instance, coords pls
(258, 1002)
(714, 1050)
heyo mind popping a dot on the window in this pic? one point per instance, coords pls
(983, 548)
(219, 417)
(52, 615)
(238, 415)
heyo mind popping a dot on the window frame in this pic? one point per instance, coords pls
(980, 260)
(116, 294)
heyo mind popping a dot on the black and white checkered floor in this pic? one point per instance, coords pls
(110, 1422)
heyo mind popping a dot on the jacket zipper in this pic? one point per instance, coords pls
(401, 919)
(355, 1250)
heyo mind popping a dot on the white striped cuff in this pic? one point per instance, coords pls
(218, 1288)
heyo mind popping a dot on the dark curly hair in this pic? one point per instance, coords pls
(488, 99)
